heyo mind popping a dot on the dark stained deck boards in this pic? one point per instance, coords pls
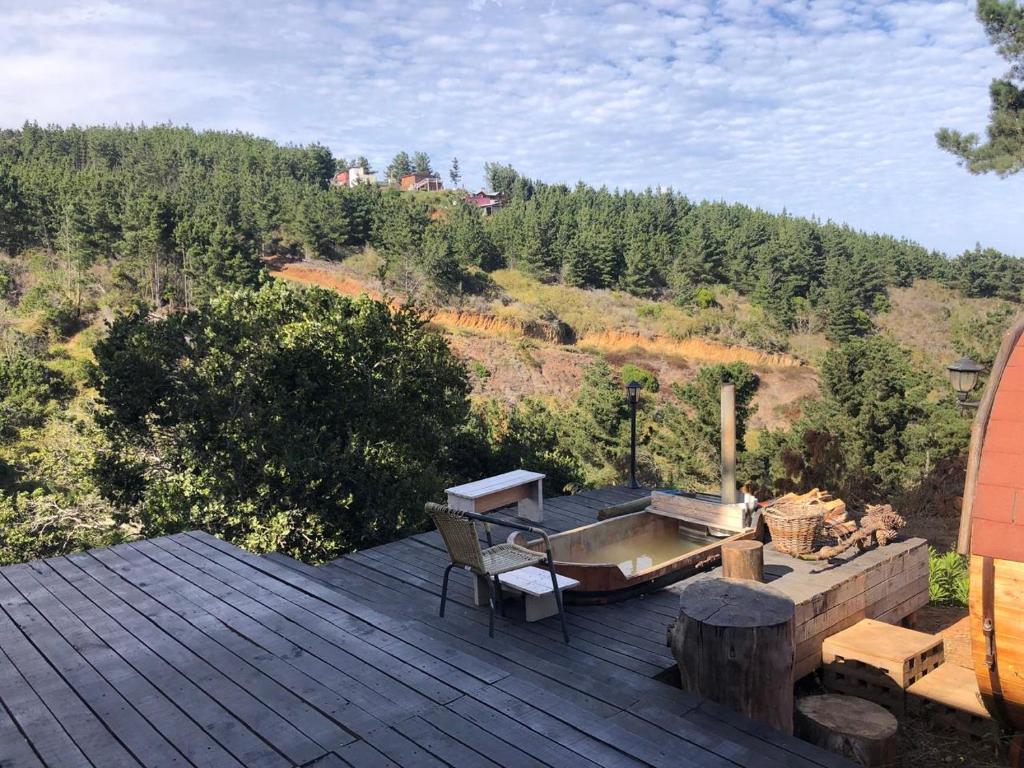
(186, 651)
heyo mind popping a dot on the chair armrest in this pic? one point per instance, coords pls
(505, 523)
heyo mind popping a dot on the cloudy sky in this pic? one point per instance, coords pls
(822, 107)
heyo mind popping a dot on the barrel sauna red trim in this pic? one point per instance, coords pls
(992, 533)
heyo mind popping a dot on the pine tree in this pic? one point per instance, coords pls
(1003, 150)
(700, 256)
(454, 173)
(421, 163)
(400, 166)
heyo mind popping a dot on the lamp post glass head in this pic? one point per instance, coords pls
(963, 375)
(632, 390)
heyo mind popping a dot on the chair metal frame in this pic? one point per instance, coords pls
(477, 566)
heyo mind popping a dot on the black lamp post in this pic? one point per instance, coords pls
(963, 375)
(632, 395)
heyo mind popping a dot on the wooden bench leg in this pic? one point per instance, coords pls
(532, 507)
(542, 607)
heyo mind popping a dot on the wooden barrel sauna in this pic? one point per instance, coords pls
(992, 533)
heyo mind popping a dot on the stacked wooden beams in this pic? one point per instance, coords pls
(887, 583)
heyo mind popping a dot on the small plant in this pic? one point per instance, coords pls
(479, 369)
(948, 579)
(642, 376)
(705, 298)
(653, 311)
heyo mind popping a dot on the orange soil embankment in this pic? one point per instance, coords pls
(603, 341)
(445, 318)
(302, 273)
(692, 349)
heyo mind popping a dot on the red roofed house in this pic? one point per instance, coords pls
(486, 202)
(340, 179)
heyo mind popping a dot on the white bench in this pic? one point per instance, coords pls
(526, 488)
(535, 586)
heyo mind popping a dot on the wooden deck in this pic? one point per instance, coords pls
(186, 651)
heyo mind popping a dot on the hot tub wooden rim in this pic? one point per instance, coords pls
(603, 580)
(693, 554)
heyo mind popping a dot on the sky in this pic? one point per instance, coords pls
(820, 107)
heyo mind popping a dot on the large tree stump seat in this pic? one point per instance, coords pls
(733, 642)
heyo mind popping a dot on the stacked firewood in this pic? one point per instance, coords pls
(879, 524)
(837, 520)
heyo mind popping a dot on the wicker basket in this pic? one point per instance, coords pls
(796, 528)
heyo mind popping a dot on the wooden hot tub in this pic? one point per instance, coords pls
(625, 556)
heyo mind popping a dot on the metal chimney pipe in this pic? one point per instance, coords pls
(729, 443)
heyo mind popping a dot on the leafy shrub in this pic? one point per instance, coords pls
(948, 581)
(282, 419)
(645, 378)
(704, 298)
(479, 369)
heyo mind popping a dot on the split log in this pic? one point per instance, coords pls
(733, 642)
(846, 725)
(743, 560)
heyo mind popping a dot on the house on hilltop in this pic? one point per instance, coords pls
(354, 176)
(486, 202)
(420, 182)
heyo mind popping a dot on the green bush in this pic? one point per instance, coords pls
(948, 581)
(645, 378)
(282, 419)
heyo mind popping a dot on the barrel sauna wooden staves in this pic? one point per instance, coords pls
(992, 533)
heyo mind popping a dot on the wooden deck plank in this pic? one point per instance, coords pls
(217, 721)
(304, 730)
(547, 725)
(25, 718)
(320, 682)
(272, 656)
(443, 746)
(351, 660)
(660, 753)
(238, 689)
(193, 741)
(534, 658)
(608, 649)
(49, 710)
(426, 666)
(17, 751)
(130, 728)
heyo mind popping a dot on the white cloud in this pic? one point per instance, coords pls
(826, 108)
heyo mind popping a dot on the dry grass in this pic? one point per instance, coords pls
(691, 348)
(925, 316)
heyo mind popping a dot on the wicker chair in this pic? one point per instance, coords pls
(458, 530)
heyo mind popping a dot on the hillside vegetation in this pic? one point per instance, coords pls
(153, 378)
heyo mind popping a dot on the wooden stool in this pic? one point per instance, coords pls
(879, 661)
(734, 644)
(854, 728)
(743, 560)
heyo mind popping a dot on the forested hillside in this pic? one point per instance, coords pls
(153, 378)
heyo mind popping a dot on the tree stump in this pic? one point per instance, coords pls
(743, 560)
(734, 644)
(854, 728)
